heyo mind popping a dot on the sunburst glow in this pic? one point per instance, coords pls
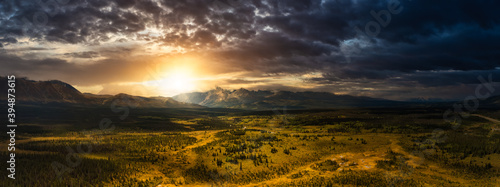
(174, 76)
(180, 80)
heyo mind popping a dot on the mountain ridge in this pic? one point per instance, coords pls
(55, 91)
(262, 100)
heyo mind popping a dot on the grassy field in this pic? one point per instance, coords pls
(355, 147)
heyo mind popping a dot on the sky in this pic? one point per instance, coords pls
(391, 49)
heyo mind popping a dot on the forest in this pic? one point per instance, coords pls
(200, 147)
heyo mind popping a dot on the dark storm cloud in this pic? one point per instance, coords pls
(429, 43)
(240, 81)
(273, 45)
(421, 19)
(86, 54)
(448, 35)
(8, 40)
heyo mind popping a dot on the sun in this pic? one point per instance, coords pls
(179, 81)
(175, 76)
(176, 81)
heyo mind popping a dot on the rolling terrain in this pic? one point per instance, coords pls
(162, 142)
(199, 147)
(54, 91)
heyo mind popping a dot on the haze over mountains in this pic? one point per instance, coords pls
(261, 100)
(55, 91)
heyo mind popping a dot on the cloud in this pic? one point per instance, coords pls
(130, 69)
(86, 54)
(429, 44)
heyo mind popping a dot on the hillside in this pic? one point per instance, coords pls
(54, 91)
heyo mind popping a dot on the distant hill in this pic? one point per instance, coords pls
(492, 101)
(29, 91)
(44, 91)
(261, 100)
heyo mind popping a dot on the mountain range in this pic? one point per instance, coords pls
(54, 91)
(262, 100)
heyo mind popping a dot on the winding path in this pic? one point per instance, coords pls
(493, 127)
(487, 118)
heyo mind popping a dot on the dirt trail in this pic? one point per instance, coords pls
(286, 178)
(363, 160)
(205, 138)
(414, 160)
(487, 118)
(493, 127)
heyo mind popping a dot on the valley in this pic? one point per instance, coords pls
(350, 147)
